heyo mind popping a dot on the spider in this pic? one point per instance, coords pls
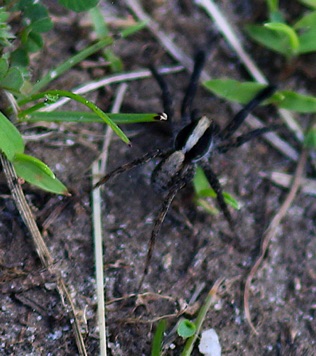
(194, 144)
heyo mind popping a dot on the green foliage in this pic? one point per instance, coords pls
(38, 173)
(27, 167)
(186, 328)
(101, 29)
(203, 190)
(310, 138)
(32, 20)
(287, 39)
(5, 30)
(79, 5)
(11, 141)
(243, 92)
(158, 338)
(11, 79)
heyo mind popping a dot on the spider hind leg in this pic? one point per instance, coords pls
(216, 185)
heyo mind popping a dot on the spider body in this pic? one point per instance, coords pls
(194, 144)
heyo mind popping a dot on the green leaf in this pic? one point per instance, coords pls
(297, 102)
(288, 31)
(310, 138)
(4, 66)
(233, 90)
(34, 42)
(35, 172)
(19, 58)
(306, 22)
(310, 3)
(158, 338)
(79, 5)
(204, 190)
(13, 80)
(11, 141)
(276, 41)
(308, 41)
(186, 328)
(42, 25)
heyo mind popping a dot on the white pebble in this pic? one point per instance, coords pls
(209, 344)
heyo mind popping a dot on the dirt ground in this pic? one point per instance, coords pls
(194, 249)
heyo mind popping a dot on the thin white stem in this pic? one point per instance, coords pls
(112, 79)
(98, 168)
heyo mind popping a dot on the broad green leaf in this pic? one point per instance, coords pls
(308, 21)
(310, 3)
(35, 172)
(186, 328)
(288, 31)
(42, 25)
(13, 80)
(34, 42)
(11, 142)
(79, 5)
(308, 41)
(297, 102)
(310, 138)
(35, 11)
(19, 58)
(273, 40)
(4, 66)
(241, 92)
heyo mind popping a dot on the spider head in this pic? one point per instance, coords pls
(196, 140)
(192, 143)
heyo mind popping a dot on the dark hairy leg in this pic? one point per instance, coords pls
(240, 117)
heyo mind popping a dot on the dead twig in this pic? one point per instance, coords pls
(40, 246)
(271, 231)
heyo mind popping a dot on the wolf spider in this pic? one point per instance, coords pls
(195, 143)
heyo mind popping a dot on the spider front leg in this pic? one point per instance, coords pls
(130, 165)
(186, 107)
(216, 186)
(165, 93)
(240, 117)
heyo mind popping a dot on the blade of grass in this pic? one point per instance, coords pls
(210, 300)
(85, 117)
(82, 100)
(69, 63)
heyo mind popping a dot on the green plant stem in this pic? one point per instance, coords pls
(71, 62)
(82, 100)
(210, 300)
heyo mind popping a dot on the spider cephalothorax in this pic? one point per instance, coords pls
(195, 143)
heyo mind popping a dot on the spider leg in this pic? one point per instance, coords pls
(130, 165)
(165, 93)
(240, 117)
(186, 107)
(158, 222)
(216, 185)
(240, 140)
